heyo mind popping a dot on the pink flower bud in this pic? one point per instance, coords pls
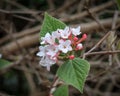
(71, 57)
(75, 39)
(84, 36)
(79, 46)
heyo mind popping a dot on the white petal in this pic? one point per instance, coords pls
(47, 62)
(47, 35)
(67, 42)
(65, 46)
(42, 51)
(76, 31)
(65, 33)
(52, 50)
(61, 41)
(56, 34)
(64, 50)
(40, 54)
(70, 48)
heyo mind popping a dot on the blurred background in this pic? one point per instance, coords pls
(20, 23)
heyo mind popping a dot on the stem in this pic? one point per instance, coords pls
(54, 84)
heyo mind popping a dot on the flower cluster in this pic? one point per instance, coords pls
(61, 41)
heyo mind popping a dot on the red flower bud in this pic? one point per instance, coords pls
(71, 57)
(84, 36)
(75, 39)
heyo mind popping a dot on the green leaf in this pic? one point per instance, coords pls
(74, 72)
(118, 4)
(4, 63)
(50, 24)
(61, 91)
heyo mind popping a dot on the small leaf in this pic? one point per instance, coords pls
(4, 63)
(61, 91)
(74, 72)
(50, 24)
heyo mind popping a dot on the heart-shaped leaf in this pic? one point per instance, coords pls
(74, 72)
(50, 24)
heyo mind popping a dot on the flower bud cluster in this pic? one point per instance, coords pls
(62, 41)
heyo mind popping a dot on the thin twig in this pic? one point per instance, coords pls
(23, 8)
(54, 84)
(85, 13)
(96, 45)
(114, 36)
(20, 12)
(24, 18)
(103, 53)
(97, 21)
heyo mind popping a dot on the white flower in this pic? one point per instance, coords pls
(52, 50)
(42, 51)
(65, 33)
(56, 34)
(76, 31)
(47, 62)
(48, 39)
(65, 46)
(44, 39)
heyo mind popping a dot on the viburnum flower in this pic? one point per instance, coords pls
(76, 31)
(60, 43)
(42, 51)
(56, 34)
(65, 33)
(48, 39)
(44, 39)
(52, 50)
(65, 46)
(47, 62)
